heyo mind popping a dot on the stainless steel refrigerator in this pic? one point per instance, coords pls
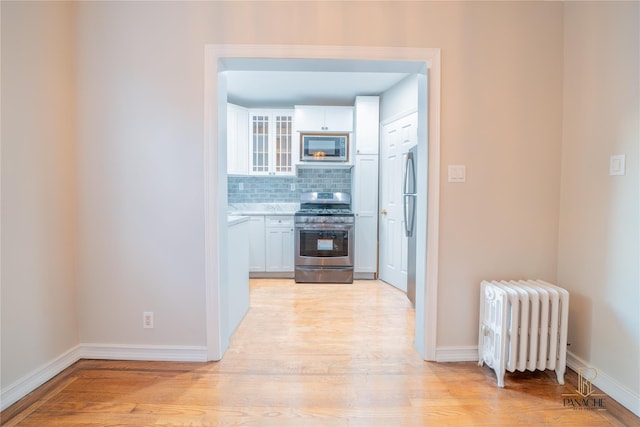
(409, 207)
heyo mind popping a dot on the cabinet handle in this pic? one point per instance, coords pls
(383, 212)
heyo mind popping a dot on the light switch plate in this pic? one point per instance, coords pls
(457, 173)
(617, 165)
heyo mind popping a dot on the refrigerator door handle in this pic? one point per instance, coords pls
(409, 194)
(409, 214)
(404, 214)
(405, 181)
(409, 174)
(405, 190)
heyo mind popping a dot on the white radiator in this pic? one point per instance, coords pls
(523, 326)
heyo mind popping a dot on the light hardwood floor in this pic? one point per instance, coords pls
(308, 355)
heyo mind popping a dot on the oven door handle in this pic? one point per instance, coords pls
(324, 227)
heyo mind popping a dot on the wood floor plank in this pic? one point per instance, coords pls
(309, 355)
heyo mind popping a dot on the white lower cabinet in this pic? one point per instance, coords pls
(271, 245)
(238, 264)
(256, 243)
(279, 243)
(365, 207)
(366, 245)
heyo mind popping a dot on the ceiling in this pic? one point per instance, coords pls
(261, 82)
(289, 88)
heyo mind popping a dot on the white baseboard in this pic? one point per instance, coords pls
(457, 354)
(16, 391)
(145, 352)
(604, 382)
(358, 275)
(271, 274)
(33, 380)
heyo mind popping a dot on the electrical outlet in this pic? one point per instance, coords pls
(147, 320)
(293, 187)
(241, 186)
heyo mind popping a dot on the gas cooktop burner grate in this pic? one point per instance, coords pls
(324, 211)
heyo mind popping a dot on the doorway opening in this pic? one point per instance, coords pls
(425, 63)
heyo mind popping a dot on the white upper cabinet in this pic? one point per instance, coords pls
(367, 124)
(312, 118)
(271, 144)
(237, 140)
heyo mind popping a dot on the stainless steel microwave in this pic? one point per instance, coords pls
(324, 147)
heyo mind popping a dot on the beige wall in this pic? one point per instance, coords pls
(502, 118)
(39, 320)
(140, 172)
(599, 217)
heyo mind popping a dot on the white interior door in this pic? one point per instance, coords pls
(397, 138)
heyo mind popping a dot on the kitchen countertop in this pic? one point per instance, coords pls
(285, 209)
(236, 219)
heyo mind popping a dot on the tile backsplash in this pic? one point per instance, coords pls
(265, 189)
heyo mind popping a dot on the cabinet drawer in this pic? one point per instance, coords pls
(279, 221)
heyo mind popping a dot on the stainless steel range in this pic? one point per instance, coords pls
(324, 238)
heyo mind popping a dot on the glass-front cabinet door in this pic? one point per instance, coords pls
(259, 142)
(284, 143)
(271, 142)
